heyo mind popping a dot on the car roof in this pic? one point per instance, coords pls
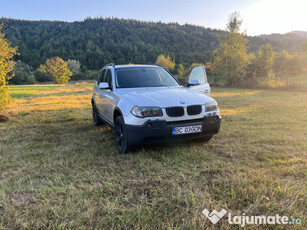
(136, 66)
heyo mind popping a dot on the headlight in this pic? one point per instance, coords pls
(211, 106)
(146, 111)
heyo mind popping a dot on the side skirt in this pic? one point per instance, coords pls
(106, 121)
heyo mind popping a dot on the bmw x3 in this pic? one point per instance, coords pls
(146, 104)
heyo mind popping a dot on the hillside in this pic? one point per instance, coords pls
(292, 41)
(98, 41)
(299, 33)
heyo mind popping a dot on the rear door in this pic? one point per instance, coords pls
(199, 73)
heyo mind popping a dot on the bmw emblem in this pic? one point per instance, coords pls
(182, 102)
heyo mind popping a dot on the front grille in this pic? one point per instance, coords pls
(194, 109)
(175, 111)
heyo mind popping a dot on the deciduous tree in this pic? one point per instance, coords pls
(180, 70)
(281, 62)
(74, 66)
(22, 71)
(57, 68)
(230, 58)
(166, 62)
(289, 65)
(264, 60)
(6, 67)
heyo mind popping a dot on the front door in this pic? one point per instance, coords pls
(99, 92)
(199, 73)
(108, 97)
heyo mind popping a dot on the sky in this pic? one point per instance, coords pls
(259, 16)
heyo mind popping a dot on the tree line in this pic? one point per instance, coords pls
(231, 58)
(98, 41)
(43, 47)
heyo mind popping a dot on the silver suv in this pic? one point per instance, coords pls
(146, 104)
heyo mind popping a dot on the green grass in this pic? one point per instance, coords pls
(20, 91)
(58, 171)
(294, 83)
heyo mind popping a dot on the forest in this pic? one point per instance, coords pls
(95, 42)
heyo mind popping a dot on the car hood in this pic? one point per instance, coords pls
(163, 97)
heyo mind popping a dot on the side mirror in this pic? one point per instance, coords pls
(193, 82)
(104, 85)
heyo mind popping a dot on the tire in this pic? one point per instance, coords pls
(96, 119)
(121, 138)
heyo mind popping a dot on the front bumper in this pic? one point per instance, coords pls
(154, 131)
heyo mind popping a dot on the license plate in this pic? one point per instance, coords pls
(187, 129)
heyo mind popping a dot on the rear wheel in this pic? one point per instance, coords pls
(96, 119)
(121, 138)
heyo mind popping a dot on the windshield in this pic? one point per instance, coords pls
(143, 77)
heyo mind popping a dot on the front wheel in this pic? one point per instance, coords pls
(121, 138)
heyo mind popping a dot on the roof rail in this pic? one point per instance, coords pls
(156, 64)
(110, 64)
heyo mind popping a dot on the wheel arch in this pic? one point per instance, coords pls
(117, 112)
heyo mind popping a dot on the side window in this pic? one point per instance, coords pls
(108, 77)
(198, 73)
(100, 77)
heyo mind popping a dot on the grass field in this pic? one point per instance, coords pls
(293, 83)
(58, 171)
